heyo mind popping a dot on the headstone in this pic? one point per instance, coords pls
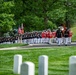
(72, 65)
(43, 65)
(27, 68)
(17, 63)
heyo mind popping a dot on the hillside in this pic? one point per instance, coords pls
(74, 33)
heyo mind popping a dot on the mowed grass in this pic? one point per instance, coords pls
(11, 45)
(74, 33)
(58, 59)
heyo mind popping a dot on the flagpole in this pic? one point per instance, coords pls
(19, 35)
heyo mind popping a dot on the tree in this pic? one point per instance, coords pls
(70, 6)
(36, 14)
(32, 13)
(6, 17)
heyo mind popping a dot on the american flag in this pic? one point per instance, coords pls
(22, 27)
(19, 30)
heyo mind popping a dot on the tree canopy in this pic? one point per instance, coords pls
(36, 14)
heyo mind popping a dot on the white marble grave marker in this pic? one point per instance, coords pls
(43, 65)
(27, 68)
(17, 63)
(72, 65)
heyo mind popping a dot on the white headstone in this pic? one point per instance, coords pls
(27, 68)
(43, 65)
(17, 63)
(72, 65)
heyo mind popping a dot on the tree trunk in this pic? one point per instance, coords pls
(45, 22)
(67, 21)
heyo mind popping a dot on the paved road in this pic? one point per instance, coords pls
(31, 46)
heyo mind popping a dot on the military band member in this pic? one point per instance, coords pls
(66, 36)
(43, 35)
(59, 35)
(70, 36)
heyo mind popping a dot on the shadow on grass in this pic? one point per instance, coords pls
(7, 73)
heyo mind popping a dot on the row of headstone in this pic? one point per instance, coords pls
(17, 63)
(28, 68)
(72, 65)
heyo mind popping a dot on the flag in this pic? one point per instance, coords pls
(22, 31)
(19, 31)
(22, 28)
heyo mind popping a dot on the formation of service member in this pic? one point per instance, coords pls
(64, 36)
(46, 36)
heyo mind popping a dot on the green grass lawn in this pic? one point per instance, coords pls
(74, 33)
(11, 45)
(58, 59)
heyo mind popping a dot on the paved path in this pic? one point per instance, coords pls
(31, 46)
